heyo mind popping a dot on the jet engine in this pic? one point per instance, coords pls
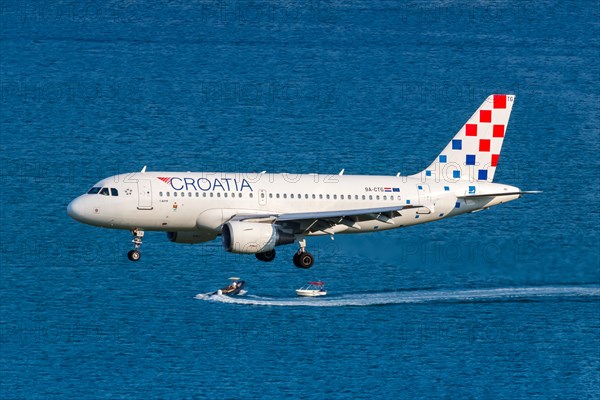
(190, 237)
(253, 237)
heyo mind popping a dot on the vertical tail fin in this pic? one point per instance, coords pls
(474, 152)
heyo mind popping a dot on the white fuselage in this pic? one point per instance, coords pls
(203, 202)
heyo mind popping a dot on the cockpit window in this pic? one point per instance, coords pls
(94, 190)
(114, 192)
(104, 192)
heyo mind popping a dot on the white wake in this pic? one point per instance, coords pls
(415, 296)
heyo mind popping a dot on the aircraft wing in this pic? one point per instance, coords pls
(326, 221)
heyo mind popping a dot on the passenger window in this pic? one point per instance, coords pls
(225, 194)
(277, 195)
(370, 197)
(189, 194)
(160, 194)
(270, 195)
(211, 194)
(94, 190)
(240, 195)
(203, 194)
(251, 195)
(341, 197)
(197, 194)
(306, 196)
(104, 191)
(262, 195)
(321, 197)
(355, 197)
(327, 197)
(168, 194)
(314, 196)
(335, 196)
(219, 194)
(299, 196)
(377, 197)
(285, 195)
(385, 197)
(233, 194)
(291, 196)
(114, 192)
(364, 197)
(174, 194)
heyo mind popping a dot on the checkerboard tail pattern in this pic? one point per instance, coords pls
(474, 152)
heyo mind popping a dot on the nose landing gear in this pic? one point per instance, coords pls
(135, 255)
(303, 259)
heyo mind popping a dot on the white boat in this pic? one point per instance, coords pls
(312, 289)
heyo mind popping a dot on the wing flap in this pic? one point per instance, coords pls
(371, 212)
(325, 221)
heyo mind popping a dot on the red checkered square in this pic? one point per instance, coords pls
(498, 131)
(495, 158)
(485, 116)
(499, 101)
(471, 130)
(484, 145)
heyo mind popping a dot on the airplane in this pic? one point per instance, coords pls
(256, 212)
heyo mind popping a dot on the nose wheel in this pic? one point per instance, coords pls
(303, 259)
(135, 255)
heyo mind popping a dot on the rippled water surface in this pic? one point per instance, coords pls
(497, 304)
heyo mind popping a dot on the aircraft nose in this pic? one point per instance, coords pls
(76, 209)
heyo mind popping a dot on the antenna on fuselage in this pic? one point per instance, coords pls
(143, 169)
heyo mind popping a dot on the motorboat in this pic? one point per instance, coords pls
(235, 287)
(312, 289)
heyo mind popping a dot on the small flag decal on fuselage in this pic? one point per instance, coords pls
(387, 189)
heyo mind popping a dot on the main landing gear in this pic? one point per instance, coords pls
(135, 255)
(303, 259)
(267, 256)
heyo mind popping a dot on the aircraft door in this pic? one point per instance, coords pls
(144, 194)
(262, 197)
(424, 199)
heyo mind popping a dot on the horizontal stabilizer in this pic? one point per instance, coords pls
(476, 196)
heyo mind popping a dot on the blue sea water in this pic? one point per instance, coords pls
(498, 304)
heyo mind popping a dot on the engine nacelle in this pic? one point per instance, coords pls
(190, 237)
(253, 237)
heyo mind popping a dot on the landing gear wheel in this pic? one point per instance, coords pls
(304, 260)
(134, 255)
(267, 256)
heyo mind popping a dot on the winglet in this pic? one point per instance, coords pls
(143, 169)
